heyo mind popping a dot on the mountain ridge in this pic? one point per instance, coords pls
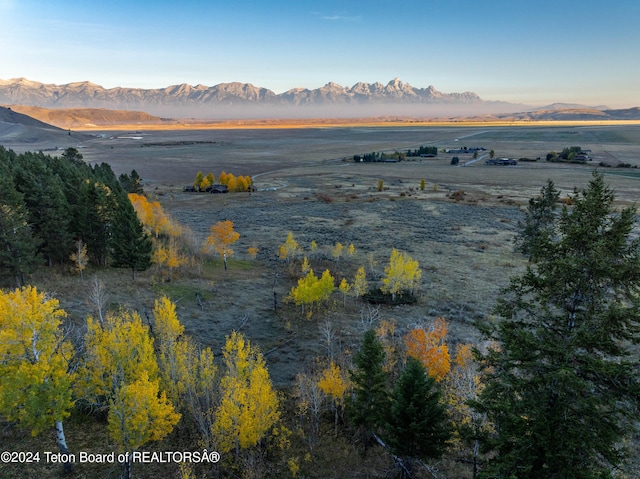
(200, 98)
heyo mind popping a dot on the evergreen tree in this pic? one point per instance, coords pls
(130, 244)
(47, 205)
(131, 183)
(539, 222)
(367, 406)
(17, 244)
(417, 423)
(561, 388)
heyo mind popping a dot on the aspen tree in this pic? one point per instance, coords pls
(334, 383)
(289, 249)
(360, 286)
(80, 257)
(344, 288)
(401, 274)
(35, 380)
(116, 353)
(427, 344)
(221, 238)
(249, 406)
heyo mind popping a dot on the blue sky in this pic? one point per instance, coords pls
(534, 51)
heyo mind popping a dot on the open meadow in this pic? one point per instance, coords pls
(460, 228)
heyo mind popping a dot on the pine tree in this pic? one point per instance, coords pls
(417, 424)
(17, 244)
(561, 387)
(367, 406)
(130, 245)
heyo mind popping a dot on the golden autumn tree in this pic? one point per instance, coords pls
(167, 254)
(311, 289)
(174, 355)
(188, 374)
(221, 237)
(35, 378)
(402, 274)
(335, 383)
(205, 183)
(360, 286)
(119, 373)
(117, 351)
(344, 288)
(290, 249)
(427, 344)
(249, 405)
(140, 413)
(198, 180)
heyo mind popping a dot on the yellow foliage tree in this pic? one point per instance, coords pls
(402, 274)
(428, 346)
(198, 180)
(205, 183)
(311, 290)
(35, 378)
(360, 286)
(152, 216)
(249, 406)
(139, 413)
(289, 249)
(221, 237)
(335, 384)
(116, 354)
(167, 254)
(344, 288)
(175, 355)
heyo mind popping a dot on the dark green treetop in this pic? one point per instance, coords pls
(562, 387)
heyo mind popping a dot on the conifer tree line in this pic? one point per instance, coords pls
(49, 203)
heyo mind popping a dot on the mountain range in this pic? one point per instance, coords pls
(231, 99)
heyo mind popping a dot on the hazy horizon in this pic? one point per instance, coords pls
(537, 53)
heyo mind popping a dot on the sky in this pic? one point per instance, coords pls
(534, 52)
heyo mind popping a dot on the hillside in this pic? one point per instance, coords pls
(87, 117)
(17, 128)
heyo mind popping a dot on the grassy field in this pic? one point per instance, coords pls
(460, 228)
